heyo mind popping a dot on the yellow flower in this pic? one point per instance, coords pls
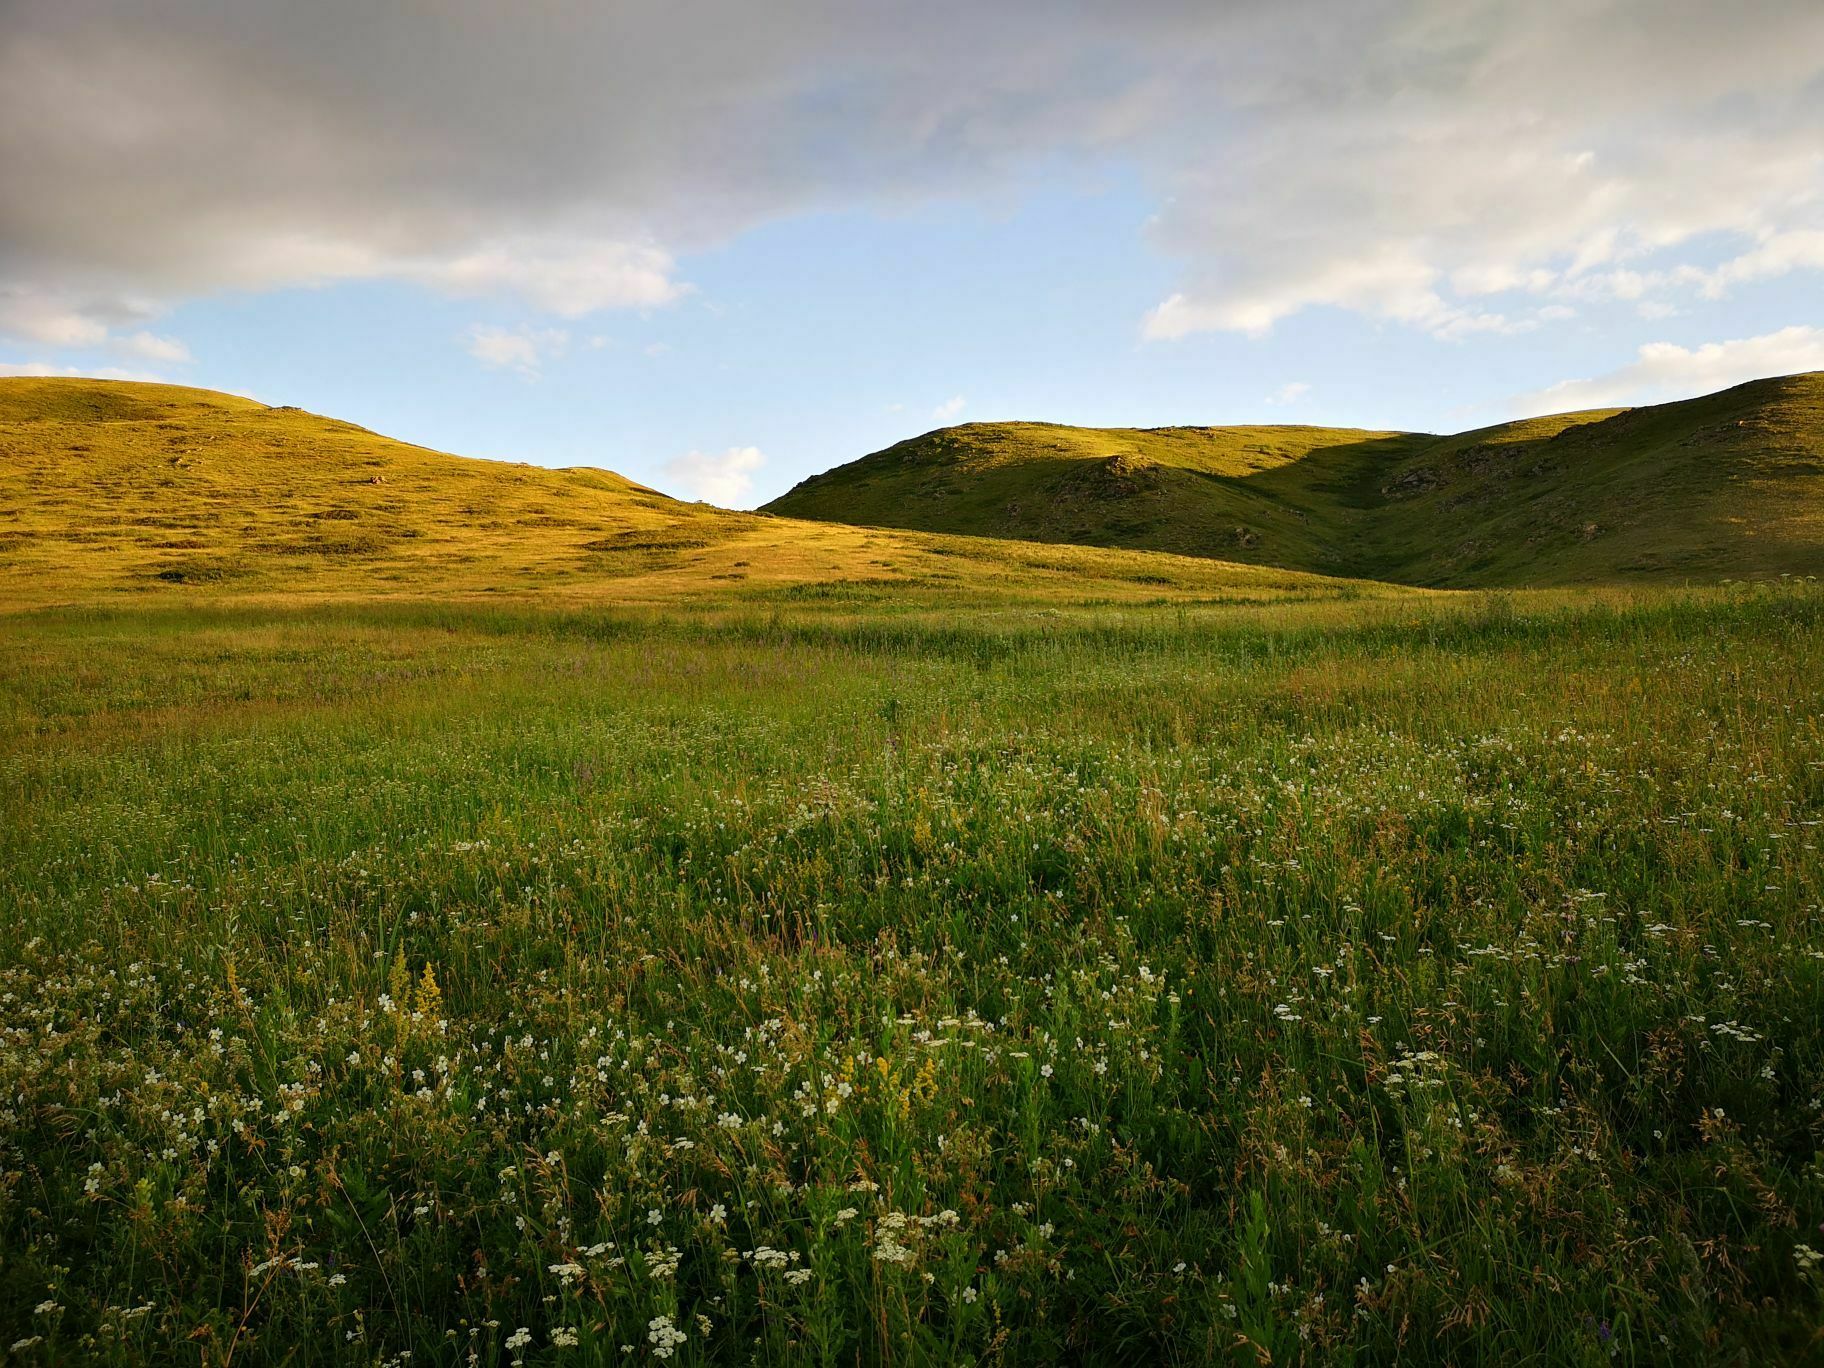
(430, 996)
(399, 983)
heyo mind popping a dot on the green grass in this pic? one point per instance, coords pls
(1417, 979)
(1190, 491)
(1696, 491)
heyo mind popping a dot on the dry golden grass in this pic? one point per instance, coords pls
(113, 491)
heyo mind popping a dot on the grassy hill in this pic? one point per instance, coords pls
(1192, 491)
(112, 490)
(1731, 484)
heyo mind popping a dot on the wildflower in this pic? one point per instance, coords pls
(664, 1336)
(564, 1337)
(430, 996)
(519, 1339)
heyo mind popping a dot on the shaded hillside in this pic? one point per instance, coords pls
(1727, 485)
(1269, 495)
(111, 488)
(1702, 489)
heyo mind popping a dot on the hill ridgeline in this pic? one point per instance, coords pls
(1729, 485)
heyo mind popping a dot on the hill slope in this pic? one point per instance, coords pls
(1193, 491)
(111, 489)
(1729, 484)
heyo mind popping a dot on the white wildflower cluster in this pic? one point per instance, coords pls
(664, 1336)
(1415, 1071)
(895, 1232)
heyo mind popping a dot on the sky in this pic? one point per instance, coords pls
(719, 246)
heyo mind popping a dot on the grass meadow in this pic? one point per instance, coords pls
(1436, 979)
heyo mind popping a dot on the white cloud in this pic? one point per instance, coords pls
(1393, 280)
(1664, 370)
(44, 368)
(1414, 159)
(725, 480)
(36, 317)
(1397, 286)
(1444, 165)
(950, 409)
(1290, 392)
(569, 279)
(151, 347)
(1776, 254)
(48, 318)
(521, 349)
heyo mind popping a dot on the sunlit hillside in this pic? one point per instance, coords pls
(1727, 485)
(114, 490)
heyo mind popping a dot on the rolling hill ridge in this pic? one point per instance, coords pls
(114, 490)
(1731, 484)
(111, 488)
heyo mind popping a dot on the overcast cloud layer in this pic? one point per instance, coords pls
(1453, 166)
